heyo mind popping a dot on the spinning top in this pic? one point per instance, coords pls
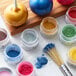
(41, 7)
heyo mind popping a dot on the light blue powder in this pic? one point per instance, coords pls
(29, 37)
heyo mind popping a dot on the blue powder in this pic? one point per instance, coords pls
(41, 61)
(13, 53)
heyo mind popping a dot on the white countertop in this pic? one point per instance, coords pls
(50, 69)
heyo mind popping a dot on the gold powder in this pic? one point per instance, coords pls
(48, 25)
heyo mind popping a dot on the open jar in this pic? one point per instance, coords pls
(68, 34)
(4, 38)
(25, 69)
(49, 26)
(29, 39)
(70, 16)
(13, 54)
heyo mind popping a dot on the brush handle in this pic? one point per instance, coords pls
(65, 70)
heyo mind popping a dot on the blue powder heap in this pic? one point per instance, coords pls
(41, 61)
(13, 53)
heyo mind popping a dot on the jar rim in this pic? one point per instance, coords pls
(34, 33)
(67, 13)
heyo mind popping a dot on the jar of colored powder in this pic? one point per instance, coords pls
(4, 38)
(4, 71)
(72, 56)
(13, 54)
(29, 39)
(68, 34)
(25, 69)
(71, 15)
(49, 26)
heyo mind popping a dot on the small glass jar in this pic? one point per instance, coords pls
(29, 39)
(7, 71)
(4, 38)
(68, 34)
(72, 56)
(49, 26)
(13, 54)
(70, 16)
(25, 69)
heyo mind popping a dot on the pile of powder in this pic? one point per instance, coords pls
(41, 61)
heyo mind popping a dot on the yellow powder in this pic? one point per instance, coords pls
(72, 53)
(48, 25)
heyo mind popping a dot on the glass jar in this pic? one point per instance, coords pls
(49, 26)
(29, 39)
(13, 54)
(4, 38)
(25, 69)
(72, 56)
(70, 16)
(68, 34)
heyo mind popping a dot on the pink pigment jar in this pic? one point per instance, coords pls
(25, 69)
(71, 15)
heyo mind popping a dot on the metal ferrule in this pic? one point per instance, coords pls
(65, 70)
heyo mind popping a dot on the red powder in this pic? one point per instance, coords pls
(2, 35)
(25, 68)
(72, 13)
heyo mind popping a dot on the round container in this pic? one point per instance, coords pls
(5, 72)
(49, 26)
(29, 39)
(25, 69)
(71, 15)
(4, 39)
(72, 56)
(68, 32)
(13, 54)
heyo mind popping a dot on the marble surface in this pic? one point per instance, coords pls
(51, 68)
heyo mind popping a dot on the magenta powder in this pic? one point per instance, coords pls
(5, 73)
(25, 68)
(2, 35)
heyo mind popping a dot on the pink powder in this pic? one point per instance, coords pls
(25, 68)
(5, 73)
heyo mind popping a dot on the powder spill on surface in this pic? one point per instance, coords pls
(41, 61)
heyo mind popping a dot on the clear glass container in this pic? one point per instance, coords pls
(13, 54)
(23, 66)
(71, 18)
(5, 41)
(52, 26)
(29, 39)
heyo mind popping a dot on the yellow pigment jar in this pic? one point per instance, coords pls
(49, 26)
(72, 56)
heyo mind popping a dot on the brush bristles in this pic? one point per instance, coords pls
(54, 55)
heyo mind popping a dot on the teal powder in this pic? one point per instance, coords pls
(13, 53)
(29, 37)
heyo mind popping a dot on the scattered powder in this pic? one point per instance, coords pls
(41, 61)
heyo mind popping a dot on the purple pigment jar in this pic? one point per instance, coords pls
(13, 54)
(4, 38)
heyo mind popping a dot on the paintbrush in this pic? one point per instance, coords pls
(50, 49)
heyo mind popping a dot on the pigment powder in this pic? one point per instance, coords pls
(5, 73)
(72, 13)
(2, 35)
(69, 31)
(13, 53)
(25, 68)
(29, 37)
(48, 25)
(72, 53)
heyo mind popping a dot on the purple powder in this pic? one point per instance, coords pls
(2, 35)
